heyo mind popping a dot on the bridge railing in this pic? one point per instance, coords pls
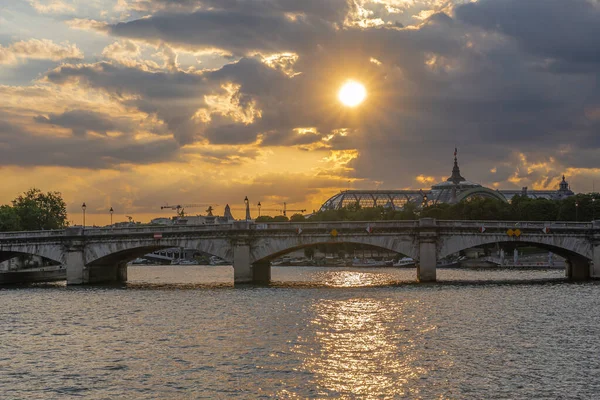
(329, 225)
(156, 229)
(515, 224)
(307, 226)
(32, 234)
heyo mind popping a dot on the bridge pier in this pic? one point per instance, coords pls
(595, 265)
(426, 267)
(74, 262)
(80, 274)
(105, 273)
(261, 272)
(242, 268)
(578, 269)
(122, 272)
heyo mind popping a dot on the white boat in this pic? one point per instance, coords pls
(405, 262)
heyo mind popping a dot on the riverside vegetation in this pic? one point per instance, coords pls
(581, 207)
(34, 210)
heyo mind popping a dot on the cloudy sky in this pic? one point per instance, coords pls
(135, 103)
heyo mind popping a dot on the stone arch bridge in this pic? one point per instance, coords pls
(94, 255)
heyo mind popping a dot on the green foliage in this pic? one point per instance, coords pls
(521, 208)
(9, 219)
(268, 218)
(37, 210)
(297, 218)
(264, 218)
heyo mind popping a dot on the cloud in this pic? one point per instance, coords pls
(87, 24)
(498, 79)
(331, 9)
(24, 147)
(206, 30)
(38, 49)
(562, 30)
(52, 6)
(82, 122)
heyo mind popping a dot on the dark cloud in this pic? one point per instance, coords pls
(563, 30)
(446, 83)
(234, 31)
(18, 146)
(173, 97)
(334, 10)
(83, 121)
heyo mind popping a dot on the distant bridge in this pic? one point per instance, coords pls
(97, 255)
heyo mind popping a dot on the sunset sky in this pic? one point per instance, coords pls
(136, 103)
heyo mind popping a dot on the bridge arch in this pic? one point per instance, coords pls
(125, 251)
(565, 247)
(266, 249)
(53, 253)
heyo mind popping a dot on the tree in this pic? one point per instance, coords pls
(9, 219)
(297, 218)
(38, 211)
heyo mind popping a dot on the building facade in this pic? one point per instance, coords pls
(453, 190)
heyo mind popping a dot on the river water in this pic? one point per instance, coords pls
(183, 332)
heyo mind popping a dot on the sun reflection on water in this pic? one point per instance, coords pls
(353, 279)
(353, 349)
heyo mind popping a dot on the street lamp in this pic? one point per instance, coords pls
(576, 211)
(247, 203)
(425, 200)
(83, 207)
(111, 211)
(259, 205)
(593, 208)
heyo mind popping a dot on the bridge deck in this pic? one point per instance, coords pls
(306, 226)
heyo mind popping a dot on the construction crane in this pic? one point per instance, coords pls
(180, 208)
(283, 211)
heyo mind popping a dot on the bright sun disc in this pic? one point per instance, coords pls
(352, 94)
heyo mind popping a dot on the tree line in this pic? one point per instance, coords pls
(34, 210)
(581, 207)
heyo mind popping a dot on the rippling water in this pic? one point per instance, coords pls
(185, 332)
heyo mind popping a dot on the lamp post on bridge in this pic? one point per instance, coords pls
(247, 203)
(576, 211)
(111, 211)
(83, 207)
(259, 205)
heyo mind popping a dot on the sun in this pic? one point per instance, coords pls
(352, 93)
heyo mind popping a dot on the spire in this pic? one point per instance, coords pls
(248, 217)
(564, 185)
(227, 213)
(456, 178)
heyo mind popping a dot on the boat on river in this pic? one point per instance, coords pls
(52, 273)
(405, 262)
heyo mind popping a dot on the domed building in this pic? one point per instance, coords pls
(453, 190)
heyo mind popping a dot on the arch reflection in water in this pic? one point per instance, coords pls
(365, 347)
